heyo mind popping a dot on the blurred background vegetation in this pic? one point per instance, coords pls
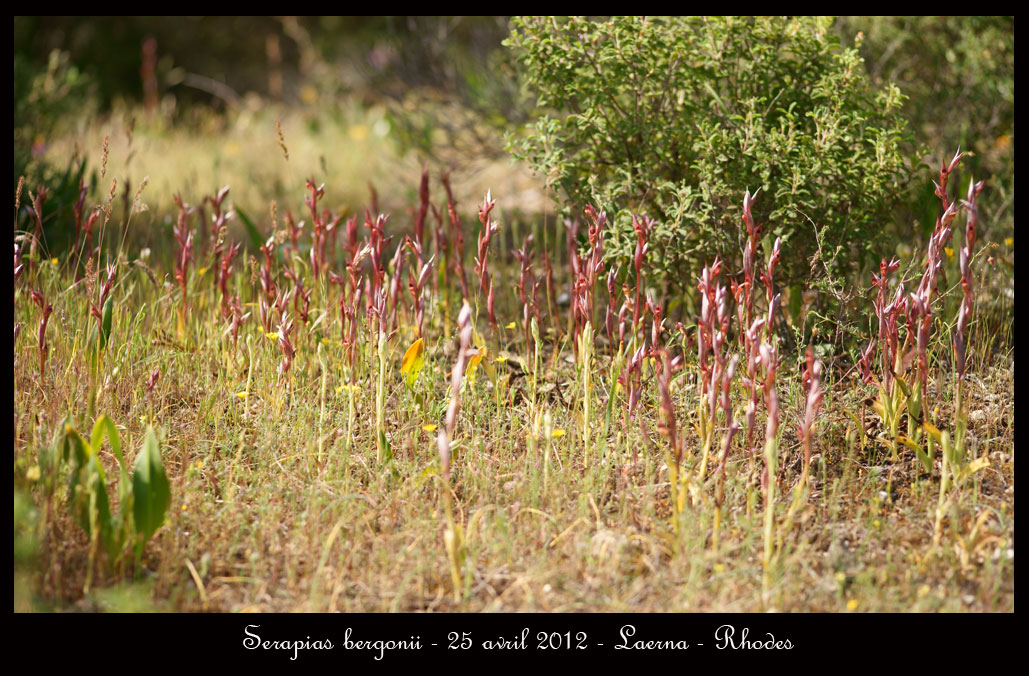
(192, 103)
(959, 76)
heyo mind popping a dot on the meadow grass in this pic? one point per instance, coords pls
(318, 460)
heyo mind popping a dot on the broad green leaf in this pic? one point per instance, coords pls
(104, 425)
(105, 322)
(76, 447)
(387, 449)
(93, 496)
(151, 492)
(255, 236)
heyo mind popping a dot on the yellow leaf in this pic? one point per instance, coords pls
(474, 361)
(414, 359)
(976, 465)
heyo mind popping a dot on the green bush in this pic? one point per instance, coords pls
(958, 73)
(677, 117)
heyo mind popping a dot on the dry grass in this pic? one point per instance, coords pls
(279, 502)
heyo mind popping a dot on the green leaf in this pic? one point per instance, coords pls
(854, 417)
(93, 496)
(105, 322)
(252, 231)
(76, 450)
(150, 488)
(88, 486)
(104, 425)
(903, 386)
(795, 305)
(387, 449)
(919, 451)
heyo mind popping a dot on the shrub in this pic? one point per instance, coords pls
(676, 117)
(958, 73)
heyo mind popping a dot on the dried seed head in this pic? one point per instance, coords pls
(17, 193)
(103, 160)
(282, 140)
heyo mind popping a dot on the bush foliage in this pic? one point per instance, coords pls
(678, 116)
